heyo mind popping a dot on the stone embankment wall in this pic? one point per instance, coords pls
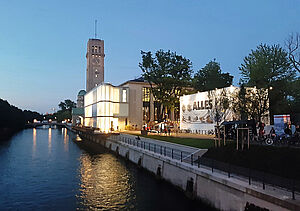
(218, 190)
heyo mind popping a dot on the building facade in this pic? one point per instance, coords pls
(143, 108)
(202, 111)
(95, 63)
(106, 107)
(78, 112)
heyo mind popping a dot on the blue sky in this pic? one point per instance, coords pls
(43, 43)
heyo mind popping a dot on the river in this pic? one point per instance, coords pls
(43, 169)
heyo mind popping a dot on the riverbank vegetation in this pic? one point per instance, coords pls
(13, 119)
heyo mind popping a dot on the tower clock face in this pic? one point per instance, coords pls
(96, 61)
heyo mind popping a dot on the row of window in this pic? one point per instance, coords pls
(96, 49)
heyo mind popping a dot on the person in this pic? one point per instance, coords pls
(288, 130)
(297, 132)
(272, 133)
(261, 127)
(169, 131)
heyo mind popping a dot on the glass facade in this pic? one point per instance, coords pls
(103, 107)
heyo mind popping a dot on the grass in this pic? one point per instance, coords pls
(192, 142)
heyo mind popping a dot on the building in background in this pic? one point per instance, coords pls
(142, 106)
(106, 108)
(95, 63)
(78, 112)
(202, 111)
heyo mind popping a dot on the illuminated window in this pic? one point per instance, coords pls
(146, 94)
(96, 76)
(124, 96)
(146, 114)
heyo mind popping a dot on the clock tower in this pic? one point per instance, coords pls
(95, 63)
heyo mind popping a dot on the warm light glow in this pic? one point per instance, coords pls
(66, 139)
(34, 139)
(49, 138)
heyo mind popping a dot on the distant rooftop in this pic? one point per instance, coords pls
(81, 93)
(139, 80)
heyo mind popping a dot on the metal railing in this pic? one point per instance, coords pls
(156, 148)
(253, 176)
(247, 174)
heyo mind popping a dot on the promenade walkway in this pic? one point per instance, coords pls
(180, 135)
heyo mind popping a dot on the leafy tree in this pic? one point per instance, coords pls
(168, 75)
(62, 106)
(269, 67)
(211, 77)
(251, 103)
(65, 110)
(70, 104)
(31, 115)
(11, 116)
(265, 66)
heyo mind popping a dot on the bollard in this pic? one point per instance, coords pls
(249, 176)
(172, 153)
(212, 166)
(293, 189)
(228, 170)
(180, 156)
(191, 159)
(198, 161)
(161, 150)
(165, 151)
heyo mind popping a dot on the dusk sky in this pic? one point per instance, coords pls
(43, 43)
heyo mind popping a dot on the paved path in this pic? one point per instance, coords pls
(181, 135)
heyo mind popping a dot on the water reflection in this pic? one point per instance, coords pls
(34, 140)
(49, 138)
(66, 139)
(105, 183)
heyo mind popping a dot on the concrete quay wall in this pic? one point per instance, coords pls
(219, 191)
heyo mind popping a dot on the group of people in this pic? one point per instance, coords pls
(288, 130)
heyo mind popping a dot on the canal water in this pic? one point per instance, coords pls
(43, 169)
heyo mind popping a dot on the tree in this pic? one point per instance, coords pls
(65, 111)
(251, 103)
(220, 103)
(211, 77)
(62, 106)
(266, 67)
(293, 49)
(168, 74)
(70, 104)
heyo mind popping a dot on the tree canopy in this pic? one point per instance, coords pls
(65, 111)
(168, 74)
(265, 66)
(211, 77)
(67, 105)
(269, 67)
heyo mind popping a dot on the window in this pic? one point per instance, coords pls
(124, 95)
(146, 114)
(146, 94)
(96, 75)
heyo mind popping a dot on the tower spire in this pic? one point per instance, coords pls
(96, 29)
